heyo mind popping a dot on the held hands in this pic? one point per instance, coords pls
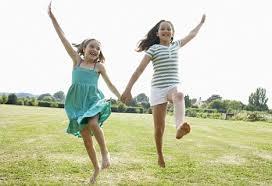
(126, 97)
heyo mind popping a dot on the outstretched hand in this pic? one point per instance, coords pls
(126, 97)
(49, 10)
(203, 19)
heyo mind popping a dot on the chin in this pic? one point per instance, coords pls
(92, 58)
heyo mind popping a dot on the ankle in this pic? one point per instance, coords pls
(104, 153)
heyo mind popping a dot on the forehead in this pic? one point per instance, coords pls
(165, 24)
(94, 43)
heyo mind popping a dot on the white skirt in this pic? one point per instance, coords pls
(159, 95)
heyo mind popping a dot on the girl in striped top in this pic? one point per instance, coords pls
(163, 52)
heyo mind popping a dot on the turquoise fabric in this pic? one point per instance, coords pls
(85, 100)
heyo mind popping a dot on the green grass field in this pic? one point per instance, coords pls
(35, 149)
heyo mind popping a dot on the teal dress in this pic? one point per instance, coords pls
(84, 100)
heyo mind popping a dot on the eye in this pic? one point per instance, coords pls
(91, 46)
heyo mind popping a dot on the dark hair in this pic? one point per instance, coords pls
(151, 38)
(81, 46)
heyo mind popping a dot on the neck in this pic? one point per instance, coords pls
(165, 43)
(89, 61)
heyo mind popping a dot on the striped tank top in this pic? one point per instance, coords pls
(165, 64)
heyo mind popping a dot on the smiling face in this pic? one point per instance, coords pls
(165, 32)
(92, 50)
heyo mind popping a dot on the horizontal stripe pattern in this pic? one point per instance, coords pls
(165, 64)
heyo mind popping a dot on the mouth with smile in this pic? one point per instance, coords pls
(93, 54)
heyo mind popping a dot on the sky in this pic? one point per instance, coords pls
(231, 55)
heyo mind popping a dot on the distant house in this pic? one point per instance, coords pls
(198, 102)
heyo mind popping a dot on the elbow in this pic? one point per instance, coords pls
(138, 72)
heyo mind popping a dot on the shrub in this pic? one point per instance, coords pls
(33, 102)
(4, 99)
(240, 116)
(149, 111)
(255, 116)
(44, 104)
(54, 104)
(60, 105)
(12, 99)
(191, 112)
(122, 107)
(134, 110)
(20, 101)
(114, 108)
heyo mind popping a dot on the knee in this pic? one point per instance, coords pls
(85, 133)
(92, 123)
(159, 130)
(179, 96)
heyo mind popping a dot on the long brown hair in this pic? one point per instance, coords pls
(151, 38)
(81, 46)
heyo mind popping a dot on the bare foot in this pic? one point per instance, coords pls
(105, 161)
(95, 174)
(161, 162)
(182, 130)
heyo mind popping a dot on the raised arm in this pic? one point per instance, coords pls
(107, 80)
(193, 33)
(126, 96)
(73, 54)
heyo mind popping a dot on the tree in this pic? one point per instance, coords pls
(4, 99)
(133, 102)
(41, 97)
(141, 98)
(12, 99)
(213, 97)
(48, 98)
(60, 96)
(217, 104)
(187, 101)
(232, 105)
(257, 100)
(193, 101)
(122, 107)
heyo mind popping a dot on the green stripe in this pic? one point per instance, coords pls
(166, 83)
(170, 80)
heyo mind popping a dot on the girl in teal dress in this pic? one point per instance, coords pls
(85, 104)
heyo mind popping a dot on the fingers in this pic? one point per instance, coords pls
(122, 98)
(49, 8)
(203, 18)
(126, 98)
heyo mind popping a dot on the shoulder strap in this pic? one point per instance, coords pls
(79, 62)
(95, 65)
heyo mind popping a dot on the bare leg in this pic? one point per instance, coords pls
(182, 127)
(159, 113)
(99, 136)
(91, 152)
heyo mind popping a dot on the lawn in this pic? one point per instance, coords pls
(34, 149)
